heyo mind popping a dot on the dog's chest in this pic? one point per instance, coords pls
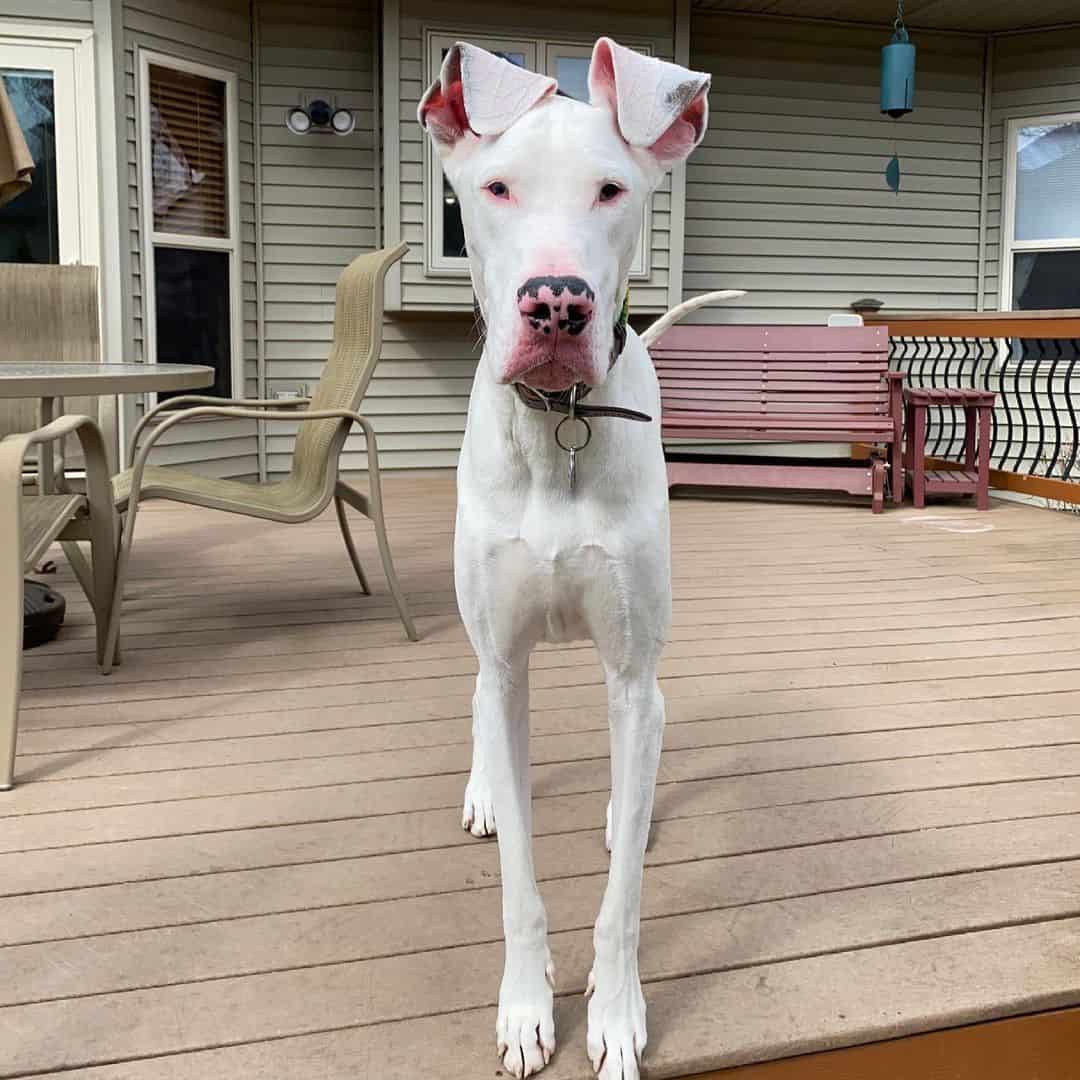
(540, 572)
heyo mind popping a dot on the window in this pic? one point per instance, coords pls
(1041, 216)
(568, 63)
(446, 239)
(190, 217)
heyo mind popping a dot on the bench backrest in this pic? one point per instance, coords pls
(782, 370)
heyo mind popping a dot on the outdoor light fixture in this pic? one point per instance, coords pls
(320, 115)
(298, 122)
(342, 121)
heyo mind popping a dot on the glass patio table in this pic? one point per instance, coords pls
(51, 383)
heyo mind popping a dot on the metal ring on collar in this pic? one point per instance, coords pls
(558, 436)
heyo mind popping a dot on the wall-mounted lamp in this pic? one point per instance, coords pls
(320, 115)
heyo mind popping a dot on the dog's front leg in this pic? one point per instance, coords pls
(478, 814)
(616, 1035)
(525, 1030)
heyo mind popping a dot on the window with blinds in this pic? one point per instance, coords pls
(189, 153)
(189, 198)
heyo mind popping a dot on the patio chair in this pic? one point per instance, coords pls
(49, 314)
(28, 525)
(325, 420)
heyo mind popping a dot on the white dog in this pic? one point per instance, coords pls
(551, 544)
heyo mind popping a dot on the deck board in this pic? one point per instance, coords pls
(241, 856)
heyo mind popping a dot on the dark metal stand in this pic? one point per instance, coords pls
(43, 613)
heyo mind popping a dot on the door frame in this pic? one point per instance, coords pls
(78, 41)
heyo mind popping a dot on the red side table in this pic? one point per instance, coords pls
(974, 478)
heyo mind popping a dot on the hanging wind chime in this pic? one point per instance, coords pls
(897, 85)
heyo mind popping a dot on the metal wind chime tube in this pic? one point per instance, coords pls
(897, 84)
(898, 70)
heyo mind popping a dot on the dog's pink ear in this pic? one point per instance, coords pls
(480, 92)
(658, 106)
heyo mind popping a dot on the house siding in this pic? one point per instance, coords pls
(318, 191)
(1033, 75)
(217, 33)
(319, 208)
(786, 197)
(419, 396)
(69, 11)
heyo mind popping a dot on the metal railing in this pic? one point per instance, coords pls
(1030, 360)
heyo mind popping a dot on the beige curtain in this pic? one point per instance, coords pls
(16, 164)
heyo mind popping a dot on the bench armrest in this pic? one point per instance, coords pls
(896, 398)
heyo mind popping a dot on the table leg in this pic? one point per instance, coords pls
(909, 437)
(918, 457)
(45, 450)
(982, 495)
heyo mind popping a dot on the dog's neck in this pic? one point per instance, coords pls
(511, 447)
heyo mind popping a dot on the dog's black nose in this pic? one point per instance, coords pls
(563, 303)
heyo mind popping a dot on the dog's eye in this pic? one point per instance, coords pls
(609, 192)
(499, 189)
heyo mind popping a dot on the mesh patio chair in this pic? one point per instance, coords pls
(28, 525)
(49, 314)
(325, 420)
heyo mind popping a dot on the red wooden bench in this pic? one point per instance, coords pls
(739, 384)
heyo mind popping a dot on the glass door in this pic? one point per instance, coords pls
(47, 73)
(45, 223)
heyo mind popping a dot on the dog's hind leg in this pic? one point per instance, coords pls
(525, 1030)
(616, 1033)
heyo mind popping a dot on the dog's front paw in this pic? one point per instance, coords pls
(478, 815)
(616, 1037)
(525, 1030)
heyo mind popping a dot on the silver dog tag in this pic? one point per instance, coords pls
(572, 450)
(571, 469)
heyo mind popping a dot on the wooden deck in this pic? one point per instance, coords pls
(240, 856)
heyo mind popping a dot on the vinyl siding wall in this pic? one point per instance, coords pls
(319, 212)
(318, 190)
(787, 197)
(1033, 75)
(217, 33)
(419, 396)
(71, 11)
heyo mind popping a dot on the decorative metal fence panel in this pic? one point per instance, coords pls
(1036, 420)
